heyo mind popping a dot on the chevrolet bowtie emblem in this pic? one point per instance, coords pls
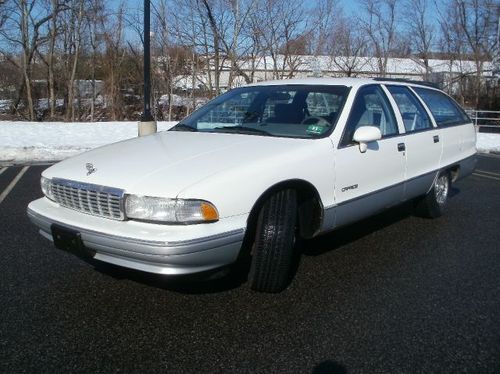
(90, 168)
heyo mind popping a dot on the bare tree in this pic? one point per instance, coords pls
(112, 61)
(236, 41)
(216, 42)
(72, 43)
(172, 60)
(209, 45)
(422, 32)
(280, 23)
(6, 8)
(22, 28)
(348, 46)
(48, 55)
(96, 15)
(469, 31)
(380, 27)
(194, 29)
(325, 18)
(478, 23)
(453, 48)
(53, 32)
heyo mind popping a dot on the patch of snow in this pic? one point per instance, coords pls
(53, 141)
(488, 142)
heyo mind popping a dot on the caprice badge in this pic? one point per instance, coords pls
(90, 168)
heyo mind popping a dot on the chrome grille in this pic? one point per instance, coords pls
(89, 198)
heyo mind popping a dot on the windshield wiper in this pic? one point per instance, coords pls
(183, 127)
(240, 130)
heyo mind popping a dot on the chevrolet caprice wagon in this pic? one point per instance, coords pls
(255, 169)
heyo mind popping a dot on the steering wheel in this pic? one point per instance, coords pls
(313, 120)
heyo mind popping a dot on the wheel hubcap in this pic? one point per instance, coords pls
(441, 188)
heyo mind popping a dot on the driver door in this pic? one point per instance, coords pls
(371, 181)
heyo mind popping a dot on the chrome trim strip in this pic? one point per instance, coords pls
(89, 186)
(403, 182)
(238, 234)
(374, 192)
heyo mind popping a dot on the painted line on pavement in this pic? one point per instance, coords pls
(486, 176)
(13, 183)
(487, 172)
(2, 170)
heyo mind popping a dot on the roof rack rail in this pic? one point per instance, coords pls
(403, 80)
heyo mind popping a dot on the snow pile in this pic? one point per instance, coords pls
(488, 142)
(51, 141)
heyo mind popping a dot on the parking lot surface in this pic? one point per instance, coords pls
(394, 293)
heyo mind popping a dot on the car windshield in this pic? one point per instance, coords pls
(297, 111)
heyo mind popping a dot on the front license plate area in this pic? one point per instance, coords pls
(70, 241)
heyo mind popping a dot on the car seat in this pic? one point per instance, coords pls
(286, 113)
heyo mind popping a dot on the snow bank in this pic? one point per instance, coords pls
(488, 142)
(22, 142)
(51, 141)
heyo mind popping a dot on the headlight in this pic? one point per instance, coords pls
(159, 209)
(46, 185)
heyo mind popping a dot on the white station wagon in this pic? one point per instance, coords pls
(257, 167)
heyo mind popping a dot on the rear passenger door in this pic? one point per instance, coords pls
(368, 182)
(423, 144)
(455, 128)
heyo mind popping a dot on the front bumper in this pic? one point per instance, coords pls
(161, 249)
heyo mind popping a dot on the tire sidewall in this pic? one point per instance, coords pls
(273, 254)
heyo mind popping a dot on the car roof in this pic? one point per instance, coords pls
(349, 82)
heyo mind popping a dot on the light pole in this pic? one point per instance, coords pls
(147, 124)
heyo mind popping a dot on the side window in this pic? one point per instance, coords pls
(415, 117)
(370, 108)
(445, 111)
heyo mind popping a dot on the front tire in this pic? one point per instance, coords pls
(273, 250)
(432, 205)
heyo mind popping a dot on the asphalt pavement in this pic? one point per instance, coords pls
(391, 294)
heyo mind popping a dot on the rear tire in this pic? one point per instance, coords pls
(273, 250)
(432, 205)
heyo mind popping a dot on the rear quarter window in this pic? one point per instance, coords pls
(445, 110)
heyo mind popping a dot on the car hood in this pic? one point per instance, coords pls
(165, 163)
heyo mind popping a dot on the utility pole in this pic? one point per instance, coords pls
(147, 124)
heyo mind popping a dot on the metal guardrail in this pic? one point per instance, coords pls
(485, 118)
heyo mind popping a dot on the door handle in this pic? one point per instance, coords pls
(436, 138)
(401, 147)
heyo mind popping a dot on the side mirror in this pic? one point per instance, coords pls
(366, 134)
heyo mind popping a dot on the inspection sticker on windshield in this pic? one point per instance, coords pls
(315, 129)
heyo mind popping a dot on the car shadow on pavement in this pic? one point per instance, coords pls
(329, 367)
(353, 232)
(360, 229)
(202, 283)
(454, 191)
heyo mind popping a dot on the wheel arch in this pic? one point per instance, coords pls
(310, 207)
(454, 172)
